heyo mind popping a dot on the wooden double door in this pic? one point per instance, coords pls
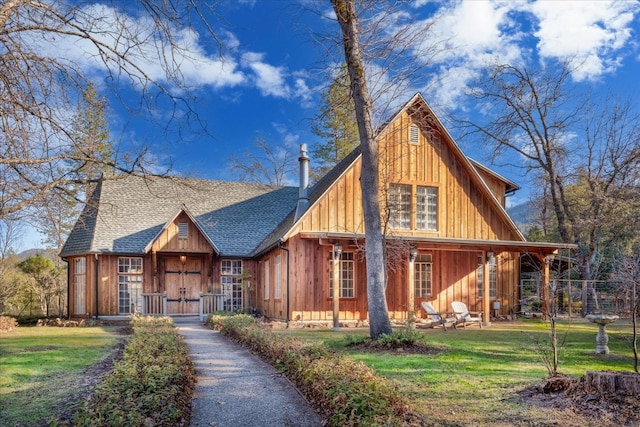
(183, 283)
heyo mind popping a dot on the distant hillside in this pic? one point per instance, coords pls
(48, 253)
(523, 215)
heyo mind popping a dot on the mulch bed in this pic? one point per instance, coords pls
(568, 393)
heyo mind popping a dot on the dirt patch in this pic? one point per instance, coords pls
(80, 384)
(569, 393)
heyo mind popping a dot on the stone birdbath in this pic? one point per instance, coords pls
(602, 320)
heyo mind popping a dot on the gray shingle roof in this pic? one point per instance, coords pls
(131, 212)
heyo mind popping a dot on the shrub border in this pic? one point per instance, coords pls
(343, 391)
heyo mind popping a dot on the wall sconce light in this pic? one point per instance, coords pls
(183, 258)
(490, 255)
(337, 250)
(413, 253)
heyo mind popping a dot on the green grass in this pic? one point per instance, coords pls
(39, 367)
(473, 376)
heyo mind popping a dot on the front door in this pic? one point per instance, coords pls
(183, 283)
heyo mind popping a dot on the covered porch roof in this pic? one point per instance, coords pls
(445, 243)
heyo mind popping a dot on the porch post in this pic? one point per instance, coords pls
(335, 295)
(411, 312)
(545, 288)
(164, 303)
(201, 308)
(486, 297)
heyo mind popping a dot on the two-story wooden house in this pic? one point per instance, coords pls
(174, 246)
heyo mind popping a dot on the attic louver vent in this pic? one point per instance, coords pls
(414, 134)
(183, 230)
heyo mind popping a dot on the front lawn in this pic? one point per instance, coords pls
(474, 375)
(41, 369)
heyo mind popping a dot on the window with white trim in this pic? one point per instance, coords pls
(414, 134)
(267, 277)
(402, 208)
(422, 276)
(278, 278)
(346, 275)
(230, 271)
(80, 285)
(493, 277)
(129, 285)
(426, 208)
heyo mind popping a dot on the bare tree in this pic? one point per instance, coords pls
(374, 245)
(586, 152)
(628, 273)
(140, 44)
(387, 52)
(271, 166)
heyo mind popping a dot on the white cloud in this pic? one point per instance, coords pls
(590, 32)
(269, 79)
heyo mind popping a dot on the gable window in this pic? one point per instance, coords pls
(277, 284)
(493, 282)
(129, 285)
(230, 271)
(346, 275)
(80, 285)
(426, 208)
(267, 277)
(402, 208)
(183, 230)
(414, 134)
(422, 276)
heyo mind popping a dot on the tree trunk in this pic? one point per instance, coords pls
(369, 180)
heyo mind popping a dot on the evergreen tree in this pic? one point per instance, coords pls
(92, 150)
(336, 125)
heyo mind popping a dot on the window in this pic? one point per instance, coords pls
(183, 230)
(414, 133)
(346, 276)
(230, 271)
(80, 286)
(400, 206)
(422, 276)
(426, 208)
(278, 284)
(493, 276)
(266, 279)
(129, 285)
(230, 266)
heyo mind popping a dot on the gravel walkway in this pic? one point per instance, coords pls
(236, 388)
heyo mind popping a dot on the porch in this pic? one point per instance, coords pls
(157, 304)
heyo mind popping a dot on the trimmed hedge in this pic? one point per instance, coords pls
(345, 392)
(151, 386)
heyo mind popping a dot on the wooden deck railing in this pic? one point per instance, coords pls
(154, 304)
(210, 303)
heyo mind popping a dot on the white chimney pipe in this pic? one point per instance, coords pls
(303, 197)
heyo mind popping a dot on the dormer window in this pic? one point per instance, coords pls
(414, 134)
(183, 230)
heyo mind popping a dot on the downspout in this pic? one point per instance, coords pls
(280, 246)
(96, 265)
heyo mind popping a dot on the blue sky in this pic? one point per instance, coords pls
(267, 82)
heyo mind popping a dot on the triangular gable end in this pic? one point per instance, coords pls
(416, 105)
(168, 239)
